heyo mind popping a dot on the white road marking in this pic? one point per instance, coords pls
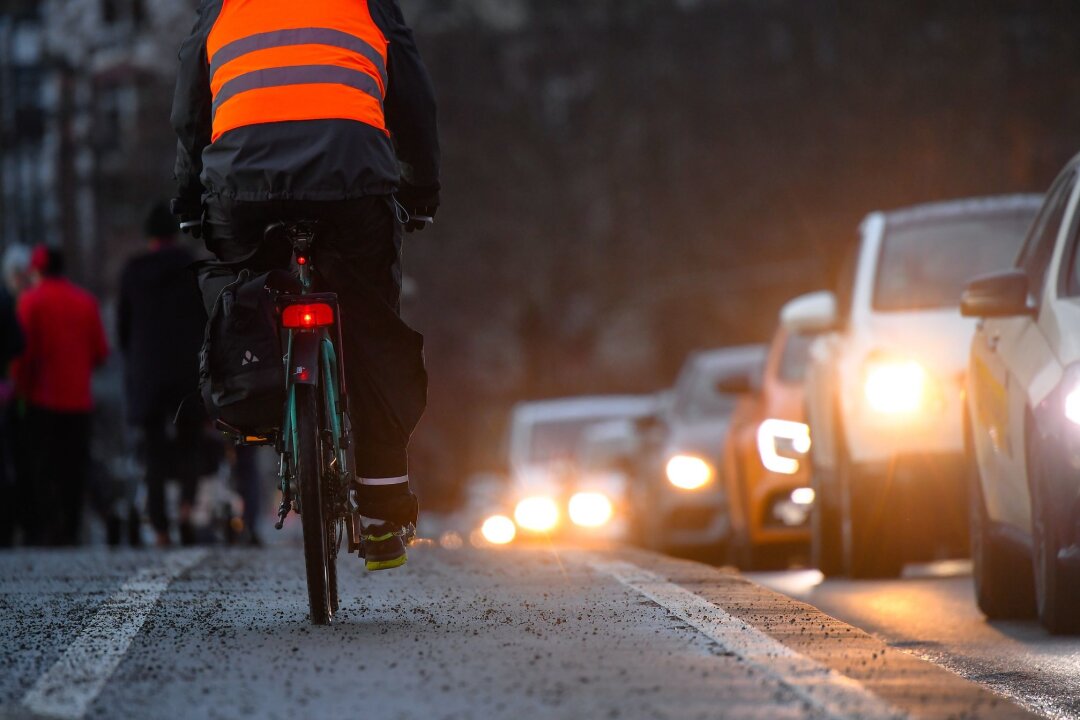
(67, 689)
(838, 696)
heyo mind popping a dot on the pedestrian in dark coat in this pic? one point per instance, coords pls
(21, 513)
(160, 325)
(11, 345)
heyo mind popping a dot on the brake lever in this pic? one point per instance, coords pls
(192, 227)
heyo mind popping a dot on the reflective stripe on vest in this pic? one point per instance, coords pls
(281, 60)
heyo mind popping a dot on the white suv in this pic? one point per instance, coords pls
(884, 382)
(1023, 421)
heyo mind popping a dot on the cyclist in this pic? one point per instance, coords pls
(322, 110)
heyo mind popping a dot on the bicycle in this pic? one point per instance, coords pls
(314, 436)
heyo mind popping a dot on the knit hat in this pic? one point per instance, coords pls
(159, 222)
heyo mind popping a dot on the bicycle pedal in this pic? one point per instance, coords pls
(283, 512)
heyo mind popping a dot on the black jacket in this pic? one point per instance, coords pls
(310, 159)
(160, 323)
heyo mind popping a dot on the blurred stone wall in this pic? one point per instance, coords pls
(625, 180)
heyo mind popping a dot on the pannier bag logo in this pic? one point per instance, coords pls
(249, 358)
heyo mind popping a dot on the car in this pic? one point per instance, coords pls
(884, 383)
(1022, 421)
(544, 439)
(678, 500)
(766, 471)
(604, 465)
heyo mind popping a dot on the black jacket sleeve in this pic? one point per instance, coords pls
(12, 335)
(410, 103)
(191, 106)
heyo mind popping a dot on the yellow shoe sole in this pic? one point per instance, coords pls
(386, 564)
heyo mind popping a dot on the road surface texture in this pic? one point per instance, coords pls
(466, 633)
(932, 614)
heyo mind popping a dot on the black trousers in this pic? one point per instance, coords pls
(58, 461)
(358, 256)
(17, 511)
(171, 451)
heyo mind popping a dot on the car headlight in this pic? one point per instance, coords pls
(1072, 405)
(688, 472)
(590, 509)
(781, 443)
(895, 387)
(498, 530)
(538, 513)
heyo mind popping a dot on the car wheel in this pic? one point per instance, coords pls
(826, 551)
(715, 554)
(826, 518)
(741, 552)
(1057, 588)
(870, 541)
(1004, 586)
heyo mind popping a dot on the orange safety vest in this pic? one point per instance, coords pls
(281, 60)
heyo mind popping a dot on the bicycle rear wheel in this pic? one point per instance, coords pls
(315, 520)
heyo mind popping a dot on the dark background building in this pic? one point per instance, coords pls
(625, 180)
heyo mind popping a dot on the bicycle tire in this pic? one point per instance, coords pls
(331, 558)
(313, 516)
(330, 503)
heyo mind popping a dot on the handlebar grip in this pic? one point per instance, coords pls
(192, 227)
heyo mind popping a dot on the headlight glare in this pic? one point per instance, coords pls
(688, 472)
(1072, 405)
(538, 514)
(895, 387)
(498, 530)
(781, 443)
(590, 509)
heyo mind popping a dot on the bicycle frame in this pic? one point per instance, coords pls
(313, 357)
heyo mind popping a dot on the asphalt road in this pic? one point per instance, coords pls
(932, 614)
(458, 633)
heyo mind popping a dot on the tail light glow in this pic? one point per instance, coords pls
(305, 317)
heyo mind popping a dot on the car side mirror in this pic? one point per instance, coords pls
(811, 313)
(738, 384)
(1000, 294)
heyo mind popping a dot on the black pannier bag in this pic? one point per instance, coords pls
(241, 377)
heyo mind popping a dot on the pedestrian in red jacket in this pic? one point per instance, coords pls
(65, 341)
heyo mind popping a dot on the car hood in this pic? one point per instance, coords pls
(541, 478)
(940, 339)
(699, 438)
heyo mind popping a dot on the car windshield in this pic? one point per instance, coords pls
(557, 440)
(793, 360)
(700, 398)
(924, 266)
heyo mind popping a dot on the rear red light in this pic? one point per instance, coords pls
(307, 316)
